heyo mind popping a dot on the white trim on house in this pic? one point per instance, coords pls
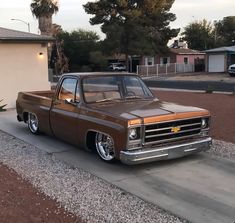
(149, 61)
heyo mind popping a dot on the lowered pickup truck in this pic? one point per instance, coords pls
(117, 116)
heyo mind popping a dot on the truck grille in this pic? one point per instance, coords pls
(170, 131)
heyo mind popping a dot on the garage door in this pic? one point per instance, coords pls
(216, 63)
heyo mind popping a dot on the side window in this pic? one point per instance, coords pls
(68, 90)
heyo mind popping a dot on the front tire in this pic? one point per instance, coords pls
(33, 123)
(105, 147)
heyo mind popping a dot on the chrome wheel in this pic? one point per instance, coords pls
(33, 123)
(105, 147)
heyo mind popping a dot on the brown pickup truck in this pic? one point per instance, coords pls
(116, 115)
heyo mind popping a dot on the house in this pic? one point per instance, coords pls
(174, 56)
(176, 60)
(219, 59)
(23, 62)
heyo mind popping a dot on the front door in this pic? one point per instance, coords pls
(65, 111)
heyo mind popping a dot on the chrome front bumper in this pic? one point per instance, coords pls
(231, 71)
(165, 153)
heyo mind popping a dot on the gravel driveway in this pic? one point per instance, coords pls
(79, 192)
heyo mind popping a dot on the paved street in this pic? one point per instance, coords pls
(199, 188)
(191, 85)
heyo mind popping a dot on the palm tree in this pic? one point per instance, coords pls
(43, 11)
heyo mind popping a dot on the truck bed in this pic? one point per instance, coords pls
(38, 102)
(44, 94)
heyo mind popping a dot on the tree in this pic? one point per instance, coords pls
(133, 27)
(43, 11)
(58, 61)
(225, 31)
(79, 47)
(199, 35)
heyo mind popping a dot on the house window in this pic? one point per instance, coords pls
(149, 61)
(185, 60)
(164, 60)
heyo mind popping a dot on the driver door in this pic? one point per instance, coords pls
(65, 111)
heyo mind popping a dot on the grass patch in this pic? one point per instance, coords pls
(209, 89)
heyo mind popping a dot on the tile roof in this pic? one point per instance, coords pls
(185, 51)
(9, 35)
(222, 49)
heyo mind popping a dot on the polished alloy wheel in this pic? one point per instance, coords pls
(105, 147)
(33, 123)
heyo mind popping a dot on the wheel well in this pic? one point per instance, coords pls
(90, 140)
(25, 116)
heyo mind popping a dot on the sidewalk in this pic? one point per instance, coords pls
(213, 77)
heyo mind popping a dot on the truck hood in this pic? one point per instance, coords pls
(145, 109)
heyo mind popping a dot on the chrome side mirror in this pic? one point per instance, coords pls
(71, 102)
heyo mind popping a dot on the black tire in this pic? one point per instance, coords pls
(105, 147)
(33, 123)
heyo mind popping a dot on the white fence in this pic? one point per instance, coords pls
(164, 69)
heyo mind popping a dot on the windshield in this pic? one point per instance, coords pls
(111, 88)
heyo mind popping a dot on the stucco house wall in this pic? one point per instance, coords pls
(23, 64)
(22, 69)
(191, 58)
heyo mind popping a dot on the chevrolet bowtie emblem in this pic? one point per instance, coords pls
(175, 129)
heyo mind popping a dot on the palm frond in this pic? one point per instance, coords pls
(44, 7)
(2, 107)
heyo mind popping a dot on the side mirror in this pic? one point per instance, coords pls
(71, 102)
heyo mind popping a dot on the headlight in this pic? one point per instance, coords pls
(133, 134)
(204, 123)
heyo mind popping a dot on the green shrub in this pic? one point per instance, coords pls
(2, 107)
(209, 89)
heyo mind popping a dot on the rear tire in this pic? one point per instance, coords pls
(105, 147)
(33, 123)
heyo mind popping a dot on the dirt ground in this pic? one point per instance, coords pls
(21, 203)
(221, 106)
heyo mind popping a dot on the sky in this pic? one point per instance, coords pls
(72, 16)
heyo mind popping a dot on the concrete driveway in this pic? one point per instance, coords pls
(199, 188)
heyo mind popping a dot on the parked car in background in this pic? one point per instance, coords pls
(231, 70)
(117, 67)
(116, 115)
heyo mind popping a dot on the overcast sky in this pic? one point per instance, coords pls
(72, 15)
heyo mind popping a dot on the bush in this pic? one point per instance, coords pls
(2, 107)
(209, 89)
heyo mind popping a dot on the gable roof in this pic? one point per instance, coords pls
(222, 49)
(10, 35)
(185, 51)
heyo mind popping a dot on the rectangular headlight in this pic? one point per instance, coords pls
(134, 133)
